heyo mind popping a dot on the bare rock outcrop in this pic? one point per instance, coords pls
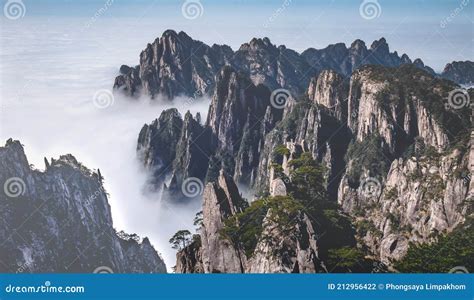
(421, 198)
(189, 259)
(59, 221)
(286, 250)
(220, 201)
(330, 90)
(292, 248)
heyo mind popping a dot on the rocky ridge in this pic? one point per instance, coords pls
(59, 221)
(239, 117)
(275, 251)
(175, 64)
(461, 72)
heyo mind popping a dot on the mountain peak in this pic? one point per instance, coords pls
(380, 45)
(418, 62)
(358, 44)
(169, 32)
(405, 59)
(461, 72)
(13, 143)
(257, 43)
(260, 41)
(67, 159)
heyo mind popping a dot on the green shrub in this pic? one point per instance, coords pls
(451, 250)
(348, 259)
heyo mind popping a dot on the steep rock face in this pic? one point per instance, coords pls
(292, 249)
(157, 144)
(220, 201)
(400, 166)
(273, 66)
(366, 113)
(278, 187)
(189, 259)
(235, 103)
(420, 199)
(175, 64)
(193, 152)
(329, 89)
(280, 252)
(129, 80)
(266, 173)
(175, 149)
(308, 127)
(326, 139)
(388, 107)
(461, 72)
(59, 220)
(392, 113)
(388, 110)
(396, 107)
(239, 116)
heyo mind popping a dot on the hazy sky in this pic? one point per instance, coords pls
(56, 56)
(410, 26)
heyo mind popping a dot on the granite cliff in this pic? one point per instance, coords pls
(59, 221)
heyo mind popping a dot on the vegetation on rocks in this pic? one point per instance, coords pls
(306, 194)
(455, 249)
(368, 155)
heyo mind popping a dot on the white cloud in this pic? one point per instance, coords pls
(47, 88)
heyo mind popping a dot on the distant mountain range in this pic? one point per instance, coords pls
(176, 64)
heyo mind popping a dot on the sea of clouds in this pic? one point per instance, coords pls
(50, 73)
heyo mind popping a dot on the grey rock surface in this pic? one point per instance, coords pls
(59, 221)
